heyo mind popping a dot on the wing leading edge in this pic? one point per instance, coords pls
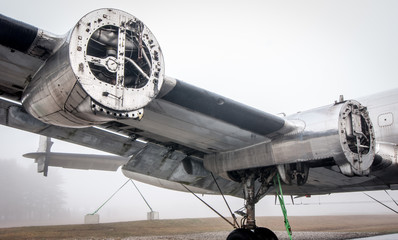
(23, 50)
(179, 126)
(82, 89)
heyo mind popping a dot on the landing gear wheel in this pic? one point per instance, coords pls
(264, 234)
(242, 234)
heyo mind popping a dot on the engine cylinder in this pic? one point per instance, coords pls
(110, 67)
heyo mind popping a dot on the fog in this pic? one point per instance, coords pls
(81, 192)
(277, 56)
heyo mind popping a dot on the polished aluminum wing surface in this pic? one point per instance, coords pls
(103, 85)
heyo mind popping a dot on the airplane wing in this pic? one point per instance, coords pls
(102, 85)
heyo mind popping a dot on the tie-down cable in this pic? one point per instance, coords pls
(235, 223)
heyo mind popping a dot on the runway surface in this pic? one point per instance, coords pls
(315, 227)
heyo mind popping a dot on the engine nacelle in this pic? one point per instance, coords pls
(110, 67)
(357, 140)
(342, 132)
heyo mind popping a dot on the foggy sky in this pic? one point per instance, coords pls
(277, 56)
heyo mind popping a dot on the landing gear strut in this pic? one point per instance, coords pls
(249, 230)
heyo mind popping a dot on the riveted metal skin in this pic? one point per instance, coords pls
(342, 132)
(184, 131)
(357, 139)
(109, 67)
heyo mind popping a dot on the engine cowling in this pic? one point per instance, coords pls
(110, 67)
(342, 132)
(357, 140)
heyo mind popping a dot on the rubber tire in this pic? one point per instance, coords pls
(242, 234)
(264, 234)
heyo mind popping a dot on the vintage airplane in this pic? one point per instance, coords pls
(103, 86)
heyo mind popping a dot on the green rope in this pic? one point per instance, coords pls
(279, 193)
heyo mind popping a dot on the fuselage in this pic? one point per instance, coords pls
(383, 109)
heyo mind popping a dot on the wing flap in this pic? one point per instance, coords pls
(168, 165)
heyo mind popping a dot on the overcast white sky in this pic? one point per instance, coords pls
(278, 56)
